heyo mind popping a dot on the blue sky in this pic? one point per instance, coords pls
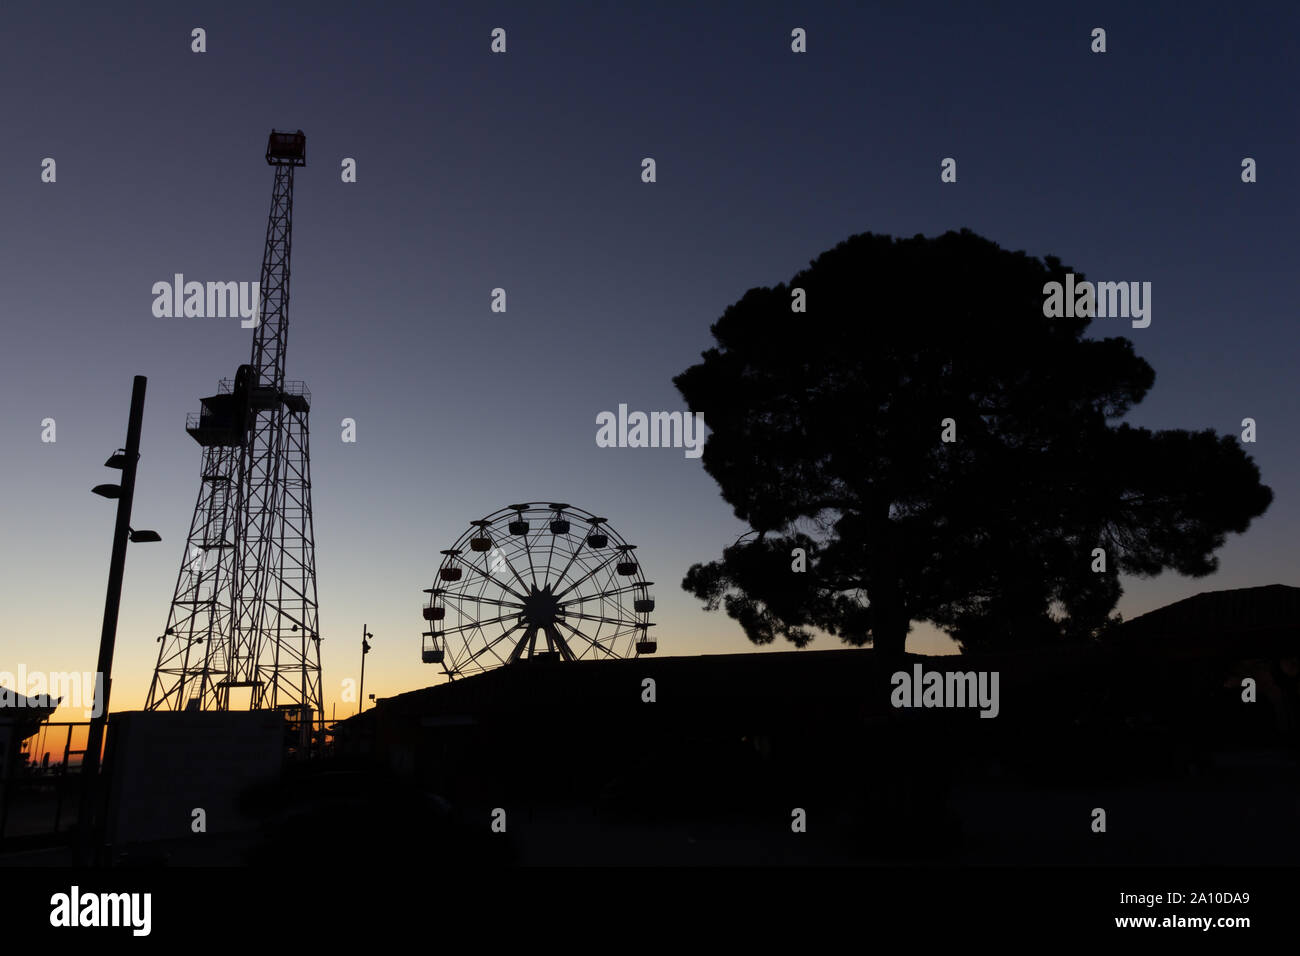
(522, 171)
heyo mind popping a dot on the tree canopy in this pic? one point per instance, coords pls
(826, 433)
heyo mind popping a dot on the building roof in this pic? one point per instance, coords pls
(26, 713)
(1262, 619)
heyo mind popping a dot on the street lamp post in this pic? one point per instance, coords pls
(126, 460)
(365, 649)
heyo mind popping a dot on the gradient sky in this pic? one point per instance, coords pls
(523, 171)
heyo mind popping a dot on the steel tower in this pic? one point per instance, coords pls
(244, 613)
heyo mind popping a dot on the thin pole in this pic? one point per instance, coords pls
(361, 695)
(108, 636)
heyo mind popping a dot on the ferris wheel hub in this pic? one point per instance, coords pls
(542, 608)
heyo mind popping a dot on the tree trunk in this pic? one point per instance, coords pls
(889, 603)
(890, 640)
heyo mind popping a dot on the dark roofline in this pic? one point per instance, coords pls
(22, 704)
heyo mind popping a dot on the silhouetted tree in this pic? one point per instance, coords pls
(826, 433)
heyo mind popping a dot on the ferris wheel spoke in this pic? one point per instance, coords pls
(505, 559)
(594, 643)
(496, 640)
(557, 642)
(603, 620)
(477, 570)
(474, 623)
(577, 552)
(528, 640)
(601, 595)
(550, 555)
(590, 574)
(458, 599)
(532, 571)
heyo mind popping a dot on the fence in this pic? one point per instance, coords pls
(40, 779)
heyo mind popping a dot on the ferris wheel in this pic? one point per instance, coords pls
(537, 580)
